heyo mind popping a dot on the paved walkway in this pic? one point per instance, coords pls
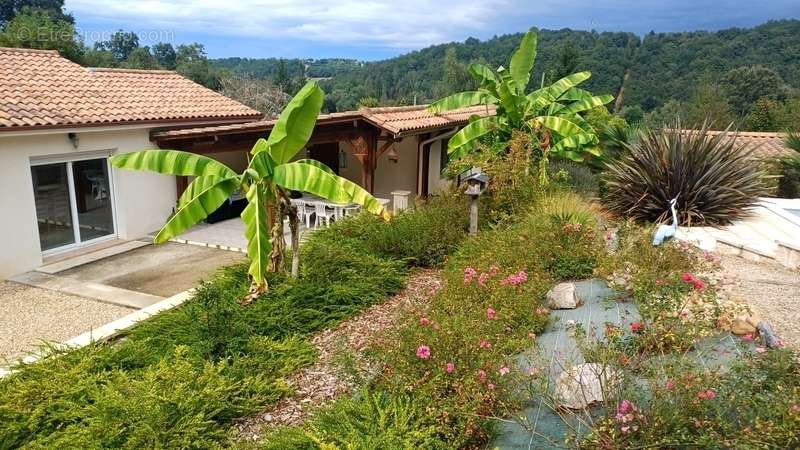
(227, 235)
(29, 315)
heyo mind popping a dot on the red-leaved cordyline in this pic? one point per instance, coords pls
(423, 352)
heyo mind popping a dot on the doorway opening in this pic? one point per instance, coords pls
(74, 203)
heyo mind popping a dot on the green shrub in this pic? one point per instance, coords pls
(372, 420)
(714, 178)
(421, 236)
(754, 405)
(788, 169)
(179, 379)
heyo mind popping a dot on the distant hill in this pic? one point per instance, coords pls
(660, 66)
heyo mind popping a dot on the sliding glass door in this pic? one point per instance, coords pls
(73, 202)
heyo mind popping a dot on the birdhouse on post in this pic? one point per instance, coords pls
(477, 182)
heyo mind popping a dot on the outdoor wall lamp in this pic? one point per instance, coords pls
(73, 137)
(393, 155)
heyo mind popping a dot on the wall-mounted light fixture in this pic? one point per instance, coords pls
(73, 137)
(393, 155)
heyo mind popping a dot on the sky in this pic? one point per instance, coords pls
(379, 29)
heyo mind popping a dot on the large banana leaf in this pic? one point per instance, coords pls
(575, 141)
(261, 164)
(587, 104)
(214, 192)
(522, 61)
(305, 177)
(507, 90)
(199, 185)
(172, 162)
(461, 100)
(257, 231)
(469, 134)
(560, 125)
(316, 163)
(296, 123)
(483, 75)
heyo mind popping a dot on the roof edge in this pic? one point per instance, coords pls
(200, 121)
(124, 70)
(29, 50)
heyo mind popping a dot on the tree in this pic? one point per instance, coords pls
(9, 9)
(745, 85)
(259, 94)
(281, 78)
(670, 112)
(551, 114)
(36, 28)
(165, 54)
(141, 58)
(267, 182)
(568, 61)
(193, 63)
(368, 102)
(762, 115)
(455, 76)
(709, 104)
(121, 44)
(99, 58)
(632, 114)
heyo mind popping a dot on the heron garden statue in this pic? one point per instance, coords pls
(666, 232)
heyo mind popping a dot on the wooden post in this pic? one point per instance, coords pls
(473, 215)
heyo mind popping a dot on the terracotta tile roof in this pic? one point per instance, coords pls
(765, 145)
(39, 88)
(404, 119)
(395, 120)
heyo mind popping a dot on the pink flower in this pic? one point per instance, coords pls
(485, 344)
(493, 270)
(660, 282)
(699, 284)
(626, 407)
(516, 279)
(504, 371)
(688, 277)
(491, 314)
(469, 275)
(670, 384)
(423, 352)
(637, 327)
(482, 375)
(424, 321)
(626, 429)
(491, 386)
(760, 350)
(796, 408)
(747, 338)
(482, 279)
(449, 367)
(708, 394)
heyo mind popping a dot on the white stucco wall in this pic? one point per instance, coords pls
(389, 176)
(143, 201)
(436, 182)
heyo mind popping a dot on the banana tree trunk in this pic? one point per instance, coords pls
(276, 213)
(294, 226)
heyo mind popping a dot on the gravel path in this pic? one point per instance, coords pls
(771, 290)
(29, 315)
(324, 381)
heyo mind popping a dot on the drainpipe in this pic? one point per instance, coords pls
(421, 147)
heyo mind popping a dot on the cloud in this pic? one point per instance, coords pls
(401, 24)
(358, 27)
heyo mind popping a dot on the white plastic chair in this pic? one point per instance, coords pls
(324, 213)
(308, 211)
(350, 210)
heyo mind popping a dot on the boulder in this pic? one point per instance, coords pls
(742, 325)
(562, 296)
(583, 384)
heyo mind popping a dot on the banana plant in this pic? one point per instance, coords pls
(551, 113)
(266, 182)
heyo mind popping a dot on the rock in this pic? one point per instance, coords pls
(772, 341)
(742, 325)
(562, 296)
(583, 384)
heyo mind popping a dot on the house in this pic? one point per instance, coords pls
(385, 150)
(59, 122)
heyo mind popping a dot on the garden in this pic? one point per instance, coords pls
(443, 371)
